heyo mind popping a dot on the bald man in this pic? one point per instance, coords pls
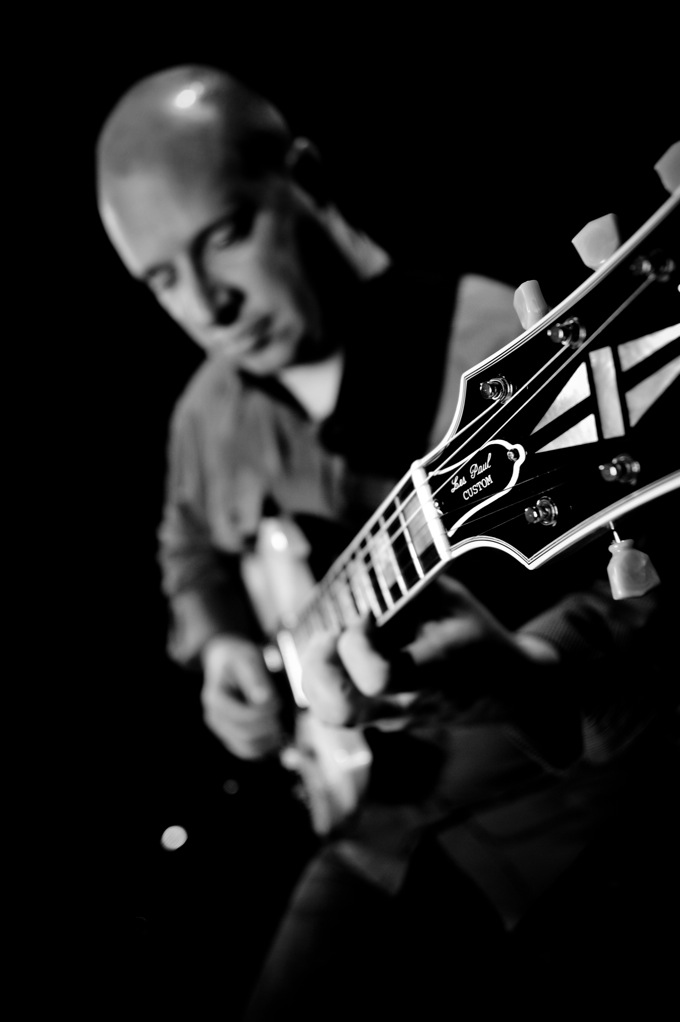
(328, 370)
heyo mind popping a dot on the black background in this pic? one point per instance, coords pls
(448, 139)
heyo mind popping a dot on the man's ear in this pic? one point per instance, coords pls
(303, 162)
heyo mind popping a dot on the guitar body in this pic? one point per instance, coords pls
(333, 763)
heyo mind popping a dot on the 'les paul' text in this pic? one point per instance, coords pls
(475, 469)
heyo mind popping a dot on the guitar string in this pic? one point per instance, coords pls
(327, 588)
(334, 575)
(573, 355)
(388, 579)
(376, 551)
(335, 572)
(644, 284)
(366, 534)
(328, 600)
(490, 413)
(576, 353)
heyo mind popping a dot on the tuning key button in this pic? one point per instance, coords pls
(570, 332)
(543, 512)
(496, 389)
(630, 571)
(622, 469)
(655, 266)
(529, 303)
(598, 240)
(668, 168)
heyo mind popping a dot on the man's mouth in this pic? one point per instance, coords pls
(249, 344)
(258, 336)
(245, 344)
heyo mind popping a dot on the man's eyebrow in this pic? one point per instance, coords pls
(145, 276)
(227, 218)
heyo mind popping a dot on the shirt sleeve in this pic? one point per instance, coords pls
(203, 583)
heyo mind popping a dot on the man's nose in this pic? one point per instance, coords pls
(226, 303)
(209, 303)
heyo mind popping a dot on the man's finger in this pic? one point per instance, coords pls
(372, 672)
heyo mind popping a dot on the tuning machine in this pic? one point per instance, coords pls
(570, 332)
(529, 303)
(496, 389)
(655, 266)
(598, 240)
(630, 571)
(621, 469)
(543, 512)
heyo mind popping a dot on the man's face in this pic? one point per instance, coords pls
(224, 260)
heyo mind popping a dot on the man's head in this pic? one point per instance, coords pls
(197, 192)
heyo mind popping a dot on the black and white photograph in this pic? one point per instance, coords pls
(362, 485)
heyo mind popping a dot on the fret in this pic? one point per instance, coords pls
(377, 597)
(381, 552)
(317, 616)
(430, 513)
(406, 532)
(382, 566)
(344, 599)
(402, 545)
(303, 629)
(318, 619)
(390, 540)
(330, 609)
(420, 534)
(361, 586)
(389, 558)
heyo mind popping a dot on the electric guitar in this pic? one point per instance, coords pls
(555, 438)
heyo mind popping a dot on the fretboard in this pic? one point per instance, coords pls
(396, 552)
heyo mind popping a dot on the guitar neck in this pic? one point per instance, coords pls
(397, 551)
(554, 437)
(400, 548)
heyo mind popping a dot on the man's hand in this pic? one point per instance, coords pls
(465, 655)
(239, 700)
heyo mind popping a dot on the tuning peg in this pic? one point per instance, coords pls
(630, 571)
(529, 303)
(668, 168)
(598, 240)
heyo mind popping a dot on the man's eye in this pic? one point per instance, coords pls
(222, 237)
(237, 227)
(160, 280)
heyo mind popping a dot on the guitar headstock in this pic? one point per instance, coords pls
(570, 426)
